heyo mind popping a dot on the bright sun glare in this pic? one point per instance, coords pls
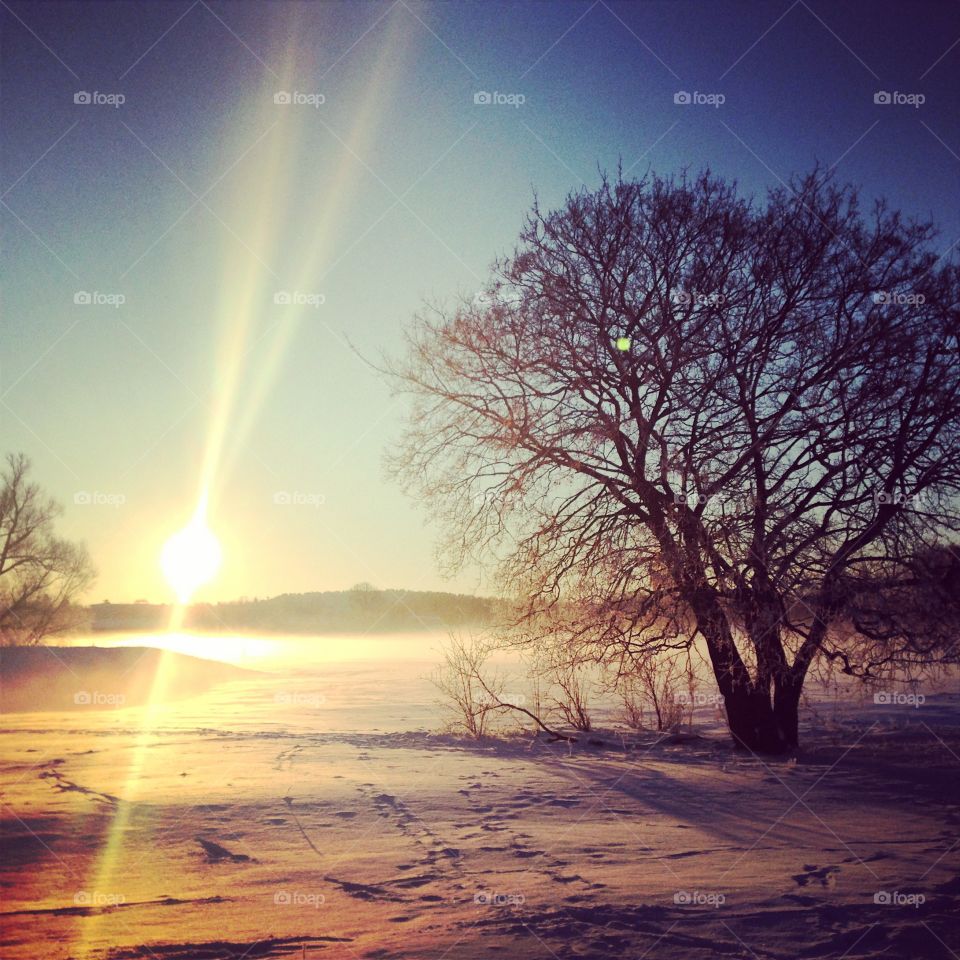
(191, 558)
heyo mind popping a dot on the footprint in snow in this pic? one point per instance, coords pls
(217, 854)
(825, 876)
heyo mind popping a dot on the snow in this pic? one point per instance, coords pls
(316, 809)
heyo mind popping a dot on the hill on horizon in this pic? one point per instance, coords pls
(362, 608)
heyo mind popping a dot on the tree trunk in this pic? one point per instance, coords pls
(758, 722)
(786, 709)
(750, 713)
(754, 723)
(762, 726)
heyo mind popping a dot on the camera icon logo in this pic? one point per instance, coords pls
(82, 298)
(82, 498)
(882, 97)
(282, 298)
(482, 97)
(282, 97)
(282, 498)
(681, 97)
(282, 898)
(82, 96)
(82, 698)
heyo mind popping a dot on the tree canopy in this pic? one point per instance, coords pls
(679, 413)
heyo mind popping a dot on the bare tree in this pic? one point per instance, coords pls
(572, 697)
(679, 413)
(475, 693)
(466, 687)
(659, 685)
(40, 574)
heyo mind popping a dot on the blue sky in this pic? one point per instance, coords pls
(199, 199)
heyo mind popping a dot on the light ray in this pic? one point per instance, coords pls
(240, 392)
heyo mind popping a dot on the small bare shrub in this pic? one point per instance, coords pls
(660, 687)
(632, 700)
(470, 696)
(475, 693)
(572, 698)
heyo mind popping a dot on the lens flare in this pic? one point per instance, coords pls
(191, 558)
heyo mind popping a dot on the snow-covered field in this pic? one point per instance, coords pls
(314, 809)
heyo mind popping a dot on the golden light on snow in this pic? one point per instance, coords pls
(191, 558)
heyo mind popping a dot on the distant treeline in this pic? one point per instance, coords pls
(361, 609)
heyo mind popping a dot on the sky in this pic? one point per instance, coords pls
(215, 214)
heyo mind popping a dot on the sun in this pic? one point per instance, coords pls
(191, 558)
